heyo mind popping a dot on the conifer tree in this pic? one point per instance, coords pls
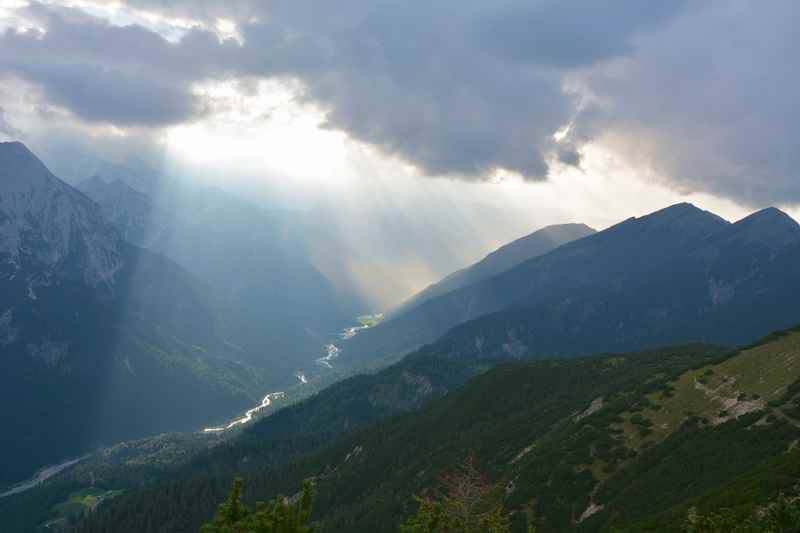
(281, 515)
(467, 504)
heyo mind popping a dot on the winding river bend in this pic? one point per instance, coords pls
(331, 353)
(331, 350)
(248, 416)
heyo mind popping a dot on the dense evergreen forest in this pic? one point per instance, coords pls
(467, 503)
(630, 441)
(625, 442)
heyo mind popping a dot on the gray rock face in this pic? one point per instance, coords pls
(89, 320)
(47, 226)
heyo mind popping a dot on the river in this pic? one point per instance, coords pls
(42, 475)
(248, 416)
(331, 352)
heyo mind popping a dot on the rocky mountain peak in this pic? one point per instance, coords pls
(48, 230)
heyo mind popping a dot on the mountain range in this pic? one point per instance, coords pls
(100, 340)
(272, 302)
(504, 258)
(126, 314)
(677, 275)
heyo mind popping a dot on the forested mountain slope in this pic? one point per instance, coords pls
(270, 442)
(625, 440)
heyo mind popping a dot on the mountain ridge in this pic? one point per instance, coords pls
(99, 340)
(768, 227)
(503, 258)
(436, 316)
(643, 283)
(46, 223)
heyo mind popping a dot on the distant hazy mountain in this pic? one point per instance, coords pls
(131, 212)
(386, 252)
(272, 302)
(136, 173)
(504, 258)
(680, 274)
(99, 340)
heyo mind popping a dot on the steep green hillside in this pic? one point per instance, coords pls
(268, 443)
(630, 441)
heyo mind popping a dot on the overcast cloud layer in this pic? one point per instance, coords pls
(703, 92)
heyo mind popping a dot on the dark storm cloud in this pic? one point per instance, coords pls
(116, 96)
(570, 34)
(569, 155)
(702, 90)
(712, 102)
(432, 84)
(407, 82)
(419, 82)
(126, 76)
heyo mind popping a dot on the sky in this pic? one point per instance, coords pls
(497, 117)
